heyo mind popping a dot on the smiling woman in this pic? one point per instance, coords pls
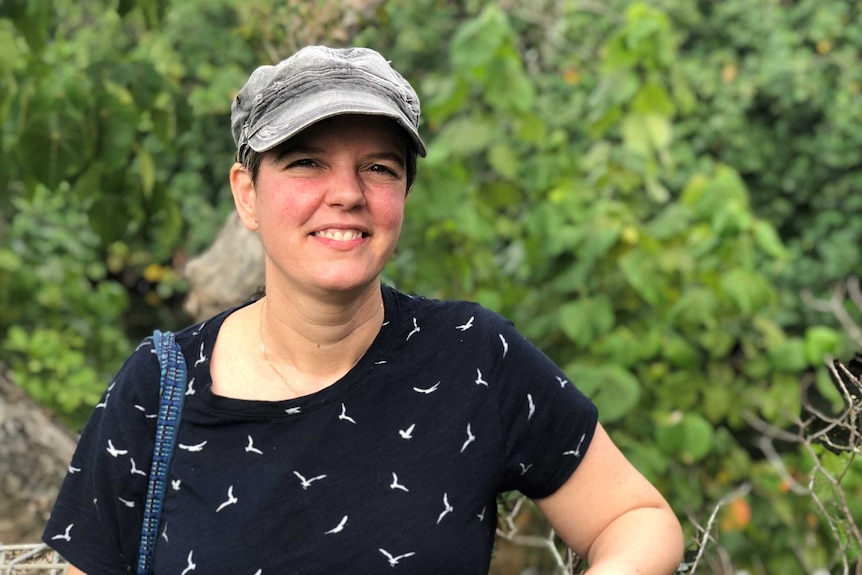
(337, 425)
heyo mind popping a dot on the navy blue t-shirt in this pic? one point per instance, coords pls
(396, 465)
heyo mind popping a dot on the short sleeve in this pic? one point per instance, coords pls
(548, 423)
(96, 520)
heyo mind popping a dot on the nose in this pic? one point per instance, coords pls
(345, 189)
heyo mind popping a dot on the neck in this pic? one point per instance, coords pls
(319, 339)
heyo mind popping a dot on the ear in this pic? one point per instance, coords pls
(244, 195)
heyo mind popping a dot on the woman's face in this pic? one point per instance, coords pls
(329, 204)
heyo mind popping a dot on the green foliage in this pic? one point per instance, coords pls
(643, 187)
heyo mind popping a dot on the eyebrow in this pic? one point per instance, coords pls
(288, 149)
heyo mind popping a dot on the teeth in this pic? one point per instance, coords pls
(339, 235)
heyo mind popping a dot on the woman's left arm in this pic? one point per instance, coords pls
(610, 515)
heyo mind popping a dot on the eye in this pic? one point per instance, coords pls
(301, 163)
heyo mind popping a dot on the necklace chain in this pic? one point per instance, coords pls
(263, 348)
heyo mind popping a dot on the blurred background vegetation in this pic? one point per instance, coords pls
(649, 189)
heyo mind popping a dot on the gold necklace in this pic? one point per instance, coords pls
(263, 350)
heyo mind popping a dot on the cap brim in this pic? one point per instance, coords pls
(284, 122)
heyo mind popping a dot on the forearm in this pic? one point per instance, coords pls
(646, 541)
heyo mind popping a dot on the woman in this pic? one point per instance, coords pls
(336, 425)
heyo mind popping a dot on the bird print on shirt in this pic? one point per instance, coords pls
(293, 410)
(67, 536)
(562, 381)
(73, 470)
(396, 485)
(196, 448)
(306, 483)
(525, 468)
(532, 407)
(407, 433)
(250, 448)
(127, 503)
(135, 470)
(190, 565)
(426, 391)
(144, 411)
(505, 345)
(447, 509)
(190, 389)
(479, 380)
(165, 532)
(114, 451)
(202, 358)
(466, 326)
(344, 415)
(576, 452)
(175, 484)
(416, 329)
(231, 500)
(481, 515)
(104, 403)
(470, 439)
(338, 528)
(393, 560)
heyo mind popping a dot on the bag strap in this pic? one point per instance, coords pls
(172, 390)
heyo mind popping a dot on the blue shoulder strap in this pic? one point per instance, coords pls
(172, 393)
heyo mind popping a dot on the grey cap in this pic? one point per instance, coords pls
(317, 83)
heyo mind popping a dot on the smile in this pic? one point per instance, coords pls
(340, 235)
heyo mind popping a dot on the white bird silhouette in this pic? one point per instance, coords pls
(416, 329)
(191, 387)
(344, 415)
(381, 362)
(407, 433)
(562, 381)
(144, 411)
(505, 345)
(431, 389)
(306, 483)
(193, 448)
(73, 470)
(198, 329)
(127, 503)
(525, 468)
(446, 508)
(191, 564)
(64, 536)
(396, 485)
(201, 357)
(532, 407)
(466, 326)
(103, 404)
(393, 561)
(114, 451)
(135, 470)
(577, 450)
(293, 411)
(250, 448)
(230, 499)
(338, 528)
(481, 515)
(470, 439)
(479, 380)
(175, 484)
(165, 533)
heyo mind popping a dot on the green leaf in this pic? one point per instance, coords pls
(614, 390)
(820, 343)
(641, 276)
(476, 42)
(767, 239)
(586, 319)
(505, 160)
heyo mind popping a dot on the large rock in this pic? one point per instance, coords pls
(228, 273)
(35, 451)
